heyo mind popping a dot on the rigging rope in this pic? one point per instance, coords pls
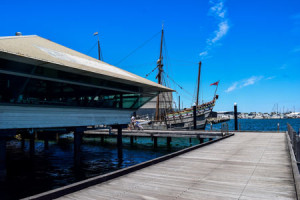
(132, 52)
(178, 85)
(92, 48)
(151, 71)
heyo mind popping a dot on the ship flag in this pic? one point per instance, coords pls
(96, 33)
(215, 83)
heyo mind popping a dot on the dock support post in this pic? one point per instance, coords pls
(2, 158)
(57, 136)
(201, 140)
(22, 141)
(195, 117)
(35, 135)
(46, 142)
(155, 142)
(77, 144)
(102, 139)
(169, 139)
(120, 144)
(190, 139)
(131, 140)
(235, 117)
(31, 143)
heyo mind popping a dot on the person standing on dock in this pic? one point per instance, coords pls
(132, 122)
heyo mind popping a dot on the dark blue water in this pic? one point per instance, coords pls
(260, 124)
(48, 169)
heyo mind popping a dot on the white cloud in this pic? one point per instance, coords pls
(250, 81)
(218, 11)
(221, 32)
(246, 82)
(204, 53)
(270, 78)
(232, 87)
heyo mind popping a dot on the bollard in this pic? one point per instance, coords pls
(235, 117)
(277, 127)
(195, 117)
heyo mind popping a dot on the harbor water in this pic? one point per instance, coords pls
(49, 169)
(259, 124)
(29, 174)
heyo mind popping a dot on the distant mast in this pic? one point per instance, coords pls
(198, 86)
(159, 75)
(99, 49)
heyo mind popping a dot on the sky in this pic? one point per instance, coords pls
(252, 47)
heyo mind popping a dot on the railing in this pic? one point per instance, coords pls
(224, 129)
(295, 141)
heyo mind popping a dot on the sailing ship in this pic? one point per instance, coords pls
(191, 118)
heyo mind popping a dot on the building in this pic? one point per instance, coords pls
(149, 109)
(45, 85)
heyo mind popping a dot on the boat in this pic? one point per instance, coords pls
(188, 118)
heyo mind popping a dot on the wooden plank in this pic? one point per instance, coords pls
(246, 166)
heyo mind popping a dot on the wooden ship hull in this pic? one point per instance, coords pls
(185, 119)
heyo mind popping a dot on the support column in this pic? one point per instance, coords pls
(201, 140)
(131, 140)
(120, 144)
(22, 141)
(169, 139)
(155, 142)
(31, 143)
(57, 137)
(2, 158)
(77, 144)
(35, 135)
(102, 139)
(46, 142)
(190, 139)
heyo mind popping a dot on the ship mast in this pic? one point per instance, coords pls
(159, 75)
(198, 87)
(99, 49)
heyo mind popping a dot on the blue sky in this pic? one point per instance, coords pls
(252, 47)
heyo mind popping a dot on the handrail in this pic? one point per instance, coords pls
(293, 140)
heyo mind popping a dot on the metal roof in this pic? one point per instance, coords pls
(39, 51)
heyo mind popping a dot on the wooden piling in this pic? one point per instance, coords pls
(31, 143)
(46, 142)
(77, 146)
(131, 140)
(2, 158)
(169, 140)
(155, 142)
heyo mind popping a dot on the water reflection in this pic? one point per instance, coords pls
(55, 166)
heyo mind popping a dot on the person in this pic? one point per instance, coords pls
(132, 121)
(138, 125)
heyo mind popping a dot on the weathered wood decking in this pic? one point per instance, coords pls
(245, 166)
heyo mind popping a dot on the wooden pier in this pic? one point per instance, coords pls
(245, 166)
